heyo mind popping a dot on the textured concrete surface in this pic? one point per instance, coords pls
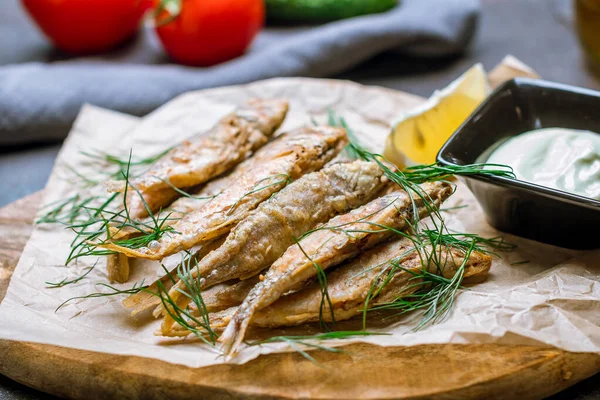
(531, 30)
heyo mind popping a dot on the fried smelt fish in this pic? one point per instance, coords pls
(197, 197)
(206, 155)
(300, 152)
(285, 158)
(260, 239)
(384, 274)
(341, 238)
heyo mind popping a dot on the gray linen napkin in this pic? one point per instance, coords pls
(39, 101)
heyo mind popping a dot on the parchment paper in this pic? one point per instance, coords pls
(552, 299)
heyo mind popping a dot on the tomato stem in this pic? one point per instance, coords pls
(172, 9)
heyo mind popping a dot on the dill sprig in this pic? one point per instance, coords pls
(295, 341)
(68, 211)
(435, 294)
(419, 173)
(183, 192)
(124, 163)
(71, 210)
(121, 164)
(109, 166)
(184, 317)
(464, 241)
(192, 290)
(325, 298)
(67, 281)
(411, 177)
(102, 224)
(136, 288)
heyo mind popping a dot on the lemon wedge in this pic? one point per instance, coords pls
(418, 135)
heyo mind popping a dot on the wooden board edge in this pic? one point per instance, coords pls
(82, 374)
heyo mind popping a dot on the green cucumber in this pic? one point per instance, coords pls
(324, 10)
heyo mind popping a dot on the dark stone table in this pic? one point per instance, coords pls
(531, 30)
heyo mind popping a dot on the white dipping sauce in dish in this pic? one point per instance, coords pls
(558, 158)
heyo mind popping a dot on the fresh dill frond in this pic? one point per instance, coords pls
(193, 291)
(325, 298)
(136, 288)
(67, 281)
(109, 222)
(84, 180)
(464, 241)
(446, 209)
(294, 341)
(419, 173)
(71, 210)
(434, 293)
(109, 160)
(108, 166)
(183, 192)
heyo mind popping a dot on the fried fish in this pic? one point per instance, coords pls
(206, 155)
(384, 274)
(298, 152)
(260, 239)
(341, 238)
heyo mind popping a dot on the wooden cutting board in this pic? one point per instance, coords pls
(362, 371)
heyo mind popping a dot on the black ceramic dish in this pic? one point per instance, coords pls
(522, 208)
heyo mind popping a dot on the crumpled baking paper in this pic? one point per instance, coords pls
(537, 294)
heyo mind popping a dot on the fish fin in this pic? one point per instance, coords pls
(128, 252)
(233, 336)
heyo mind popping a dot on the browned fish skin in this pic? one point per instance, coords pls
(299, 152)
(206, 155)
(349, 285)
(356, 231)
(228, 294)
(264, 235)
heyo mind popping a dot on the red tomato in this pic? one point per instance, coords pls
(208, 32)
(87, 26)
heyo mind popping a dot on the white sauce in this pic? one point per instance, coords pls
(563, 159)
